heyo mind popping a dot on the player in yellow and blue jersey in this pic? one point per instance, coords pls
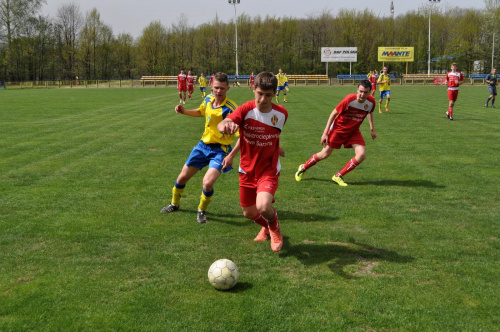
(281, 86)
(210, 151)
(203, 85)
(384, 86)
(286, 83)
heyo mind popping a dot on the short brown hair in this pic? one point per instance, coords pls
(221, 77)
(266, 81)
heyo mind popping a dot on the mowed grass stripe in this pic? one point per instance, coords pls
(75, 139)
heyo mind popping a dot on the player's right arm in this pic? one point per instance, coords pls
(227, 126)
(324, 137)
(179, 109)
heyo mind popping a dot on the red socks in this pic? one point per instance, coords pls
(273, 224)
(348, 167)
(311, 162)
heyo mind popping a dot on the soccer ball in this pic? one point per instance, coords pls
(223, 274)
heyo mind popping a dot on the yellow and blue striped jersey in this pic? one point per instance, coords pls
(281, 79)
(203, 81)
(213, 116)
(384, 86)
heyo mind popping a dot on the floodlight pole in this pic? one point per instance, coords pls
(234, 3)
(429, 50)
(493, 53)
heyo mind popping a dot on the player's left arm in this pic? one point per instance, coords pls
(228, 160)
(372, 128)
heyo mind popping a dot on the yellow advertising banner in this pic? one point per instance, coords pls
(395, 54)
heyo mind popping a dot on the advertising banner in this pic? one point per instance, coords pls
(395, 54)
(339, 54)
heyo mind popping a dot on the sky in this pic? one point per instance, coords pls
(132, 16)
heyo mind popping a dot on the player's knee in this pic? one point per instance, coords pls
(360, 157)
(250, 214)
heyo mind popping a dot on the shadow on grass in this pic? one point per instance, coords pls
(240, 287)
(387, 183)
(239, 220)
(303, 217)
(400, 183)
(340, 255)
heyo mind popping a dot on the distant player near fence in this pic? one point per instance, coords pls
(492, 81)
(454, 78)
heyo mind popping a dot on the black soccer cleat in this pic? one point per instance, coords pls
(202, 217)
(170, 208)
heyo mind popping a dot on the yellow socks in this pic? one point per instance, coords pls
(205, 199)
(177, 191)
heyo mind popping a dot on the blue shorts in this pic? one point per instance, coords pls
(209, 154)
(383, 94)
(286, 84)
(203, 89)
(281, 88)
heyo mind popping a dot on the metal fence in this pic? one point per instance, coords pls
(138, 83)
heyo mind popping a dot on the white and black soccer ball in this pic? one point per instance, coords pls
(223, 274)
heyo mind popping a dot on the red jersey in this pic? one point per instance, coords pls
(181, 80)
(252, 80)
(373, 79)
(352, 113)
(259, 138)
(190, 80)
(453, 79)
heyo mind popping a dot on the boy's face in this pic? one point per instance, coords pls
(219, 89)
(362, 94)
(263, 98)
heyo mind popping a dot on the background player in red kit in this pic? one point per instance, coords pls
(190, 84)
(260, 123)
(454, 78)
(342, 128)
(252, 82)
(373, 77)
(182, 86)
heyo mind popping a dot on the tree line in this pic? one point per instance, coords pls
(75, 44)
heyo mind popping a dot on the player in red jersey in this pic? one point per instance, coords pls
(211, 80)
(260, 123)
(182, 86)
(342, 128)
(454, 78)
(190, 84)
(252, 82)
(373, 76)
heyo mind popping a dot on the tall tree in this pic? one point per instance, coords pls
(152, 54)
(69, 22)
(13, 14)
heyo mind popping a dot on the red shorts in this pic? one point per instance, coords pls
(374, 86)
(452, 95)
(250, 187)
(191, 88)
(182, 88)
(336, 140)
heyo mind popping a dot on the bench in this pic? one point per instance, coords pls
(168, 80)
(436, 79)
(478, 77)
(353, 78)
(308, 79)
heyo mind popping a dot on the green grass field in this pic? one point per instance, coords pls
(411, 245)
